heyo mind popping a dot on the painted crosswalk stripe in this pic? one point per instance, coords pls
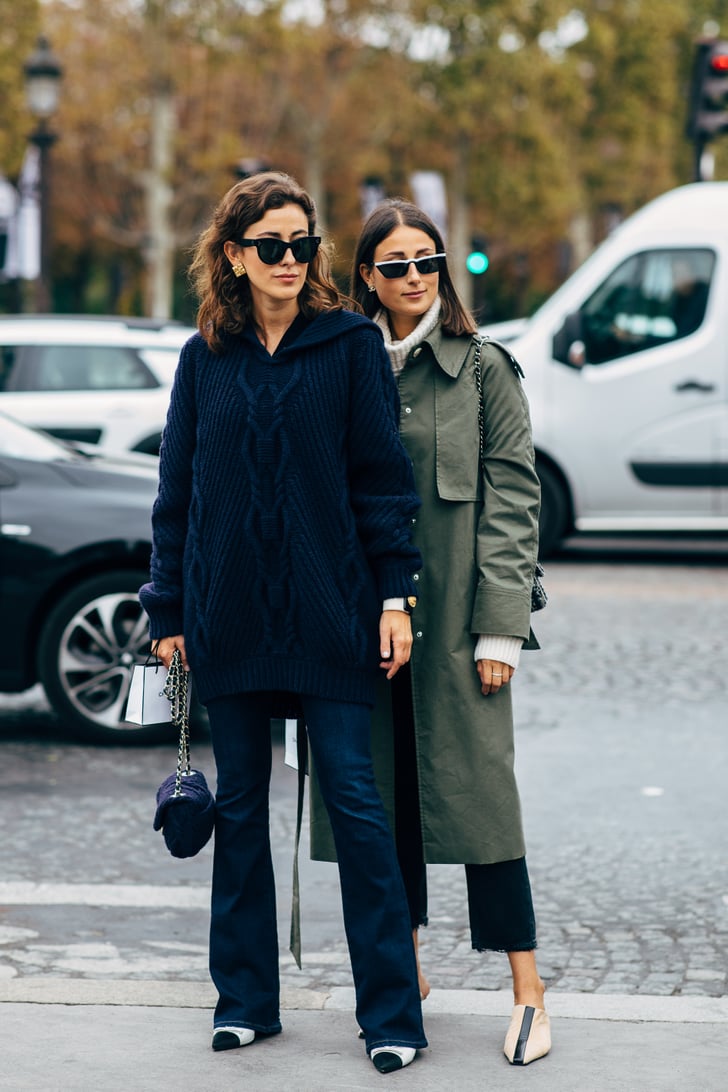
(24, 893)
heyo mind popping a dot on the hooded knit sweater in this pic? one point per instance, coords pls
(284, 511)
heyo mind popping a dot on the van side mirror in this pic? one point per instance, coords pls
(568, 344)
(577, 354)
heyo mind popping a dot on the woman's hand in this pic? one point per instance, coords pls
(395, 640)
(165, 646)
(493, 675)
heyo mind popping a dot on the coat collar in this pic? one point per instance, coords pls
(450, 353)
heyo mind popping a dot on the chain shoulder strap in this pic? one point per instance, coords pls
(479, 342)
(175, 689)
(539, 597)
(479, 387)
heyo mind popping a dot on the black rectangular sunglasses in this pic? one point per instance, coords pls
(429, 264)
(270, 251)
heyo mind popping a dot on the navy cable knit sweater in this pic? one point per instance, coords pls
(284, 511)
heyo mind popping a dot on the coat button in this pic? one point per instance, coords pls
(414, 520)
(419, 633)
(415, 576)
(408, 409)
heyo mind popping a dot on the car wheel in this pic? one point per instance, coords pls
(554, 515)
(88, 646)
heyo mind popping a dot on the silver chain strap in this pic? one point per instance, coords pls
(479, 384)
(175, 689)
(539, 598)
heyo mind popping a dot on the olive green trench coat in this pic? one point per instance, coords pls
(478, 534)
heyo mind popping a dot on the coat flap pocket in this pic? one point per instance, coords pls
(458, 440)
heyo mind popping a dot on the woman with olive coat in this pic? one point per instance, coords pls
(469, 802)
(443, 734)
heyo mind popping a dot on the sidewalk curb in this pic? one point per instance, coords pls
(635, 1008)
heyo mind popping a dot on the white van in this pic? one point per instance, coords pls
(627, 376)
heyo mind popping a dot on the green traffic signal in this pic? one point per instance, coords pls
(477, 262)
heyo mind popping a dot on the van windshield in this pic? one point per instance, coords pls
(653, 297)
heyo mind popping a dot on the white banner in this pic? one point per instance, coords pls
(8, 212)
(428, 191)
(22, 258)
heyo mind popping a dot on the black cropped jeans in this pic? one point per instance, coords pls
(499, 895)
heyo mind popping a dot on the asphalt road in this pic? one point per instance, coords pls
(622, 763)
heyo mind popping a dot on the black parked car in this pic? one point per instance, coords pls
(75, 542)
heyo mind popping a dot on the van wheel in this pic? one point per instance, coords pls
(553, 519)
(88, 646)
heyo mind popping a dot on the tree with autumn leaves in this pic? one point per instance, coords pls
(546, 120)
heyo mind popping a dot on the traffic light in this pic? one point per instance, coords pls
(476, 264)
(708, 106)
(477, 260)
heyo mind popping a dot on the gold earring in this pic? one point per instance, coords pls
(238, 269)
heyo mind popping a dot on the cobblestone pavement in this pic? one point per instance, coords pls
(622, 763)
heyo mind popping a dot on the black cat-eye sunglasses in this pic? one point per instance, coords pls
(429, 264)
(270, 251)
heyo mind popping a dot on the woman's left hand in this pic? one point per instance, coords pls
(493, 675)
(164, 648)
(395, 640)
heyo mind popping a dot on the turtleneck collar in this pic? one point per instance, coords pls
(400, 350)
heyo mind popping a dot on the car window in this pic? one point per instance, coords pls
(19, 442)
(8, 359)
(163, 362)
(78, 368)
(652, 298)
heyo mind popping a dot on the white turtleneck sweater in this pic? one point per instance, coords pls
(502, 649)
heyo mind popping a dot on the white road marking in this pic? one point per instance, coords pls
(11, 935)
(23, 893)
(96, 960)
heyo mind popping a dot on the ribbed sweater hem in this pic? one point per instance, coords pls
(329, 681)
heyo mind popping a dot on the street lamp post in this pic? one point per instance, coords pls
(43, 74)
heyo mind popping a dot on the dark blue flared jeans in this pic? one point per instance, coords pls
(243, 928)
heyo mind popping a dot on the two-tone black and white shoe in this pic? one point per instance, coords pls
(387, 1059)
(229, 1038)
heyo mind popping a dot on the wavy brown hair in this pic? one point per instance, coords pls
(455, 319)
(226, 304)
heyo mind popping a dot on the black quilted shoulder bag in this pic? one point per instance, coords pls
(185, 805)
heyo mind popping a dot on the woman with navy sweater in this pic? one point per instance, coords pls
(280, 531)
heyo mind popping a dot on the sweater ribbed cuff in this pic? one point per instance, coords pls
(165, 622)
(507, 650)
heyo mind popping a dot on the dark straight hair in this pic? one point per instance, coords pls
(455, 319)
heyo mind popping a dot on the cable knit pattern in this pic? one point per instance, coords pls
(283, 518)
